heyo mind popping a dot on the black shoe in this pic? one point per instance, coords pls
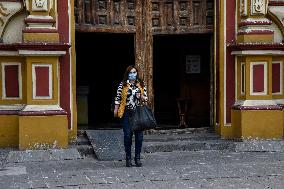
(138, 162)
(128, 163)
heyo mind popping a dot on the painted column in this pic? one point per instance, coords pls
(41, 21)
(252, 22)
(258, 108)
(42, 122)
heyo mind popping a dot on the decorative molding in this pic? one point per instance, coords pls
(35, 46)
(41, 53)
(255, 46)
(243, 8)
(255, 26)
(50, 80)
(259, 104)
(31, 110)
(255, 103)
(270, 107)
(34, 49)
(259, 22)
(256, 31)
(258, 52)
(36, 108)
(37, 10)
(12, 109)
(4, 96)
(42, 110)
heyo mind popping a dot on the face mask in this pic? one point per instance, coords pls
(132, 76)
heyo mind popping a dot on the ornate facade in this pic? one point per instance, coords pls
(38, 107)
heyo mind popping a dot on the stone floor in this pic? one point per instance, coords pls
(250, 164)
(163, 170)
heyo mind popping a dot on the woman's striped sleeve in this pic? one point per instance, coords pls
(118, 94)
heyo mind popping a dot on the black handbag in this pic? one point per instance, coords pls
(142, 119)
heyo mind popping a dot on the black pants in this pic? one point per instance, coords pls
(128, 136)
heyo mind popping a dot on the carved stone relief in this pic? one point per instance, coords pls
(7, 10)
(243, 8)
(259, 6)
(39, 5)
(168, 16)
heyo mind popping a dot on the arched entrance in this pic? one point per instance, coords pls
(143, 22)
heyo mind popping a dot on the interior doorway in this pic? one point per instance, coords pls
(101, 60)
(182, 68)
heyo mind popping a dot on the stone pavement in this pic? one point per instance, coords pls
(177, 159)
(161, 170)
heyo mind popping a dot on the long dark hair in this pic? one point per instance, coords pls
(125, 77)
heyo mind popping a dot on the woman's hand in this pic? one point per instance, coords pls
(115, 112)
(143, 98)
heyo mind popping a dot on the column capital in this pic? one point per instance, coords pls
(41, 21)
(253, 26)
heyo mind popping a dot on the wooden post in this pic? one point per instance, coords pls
(144, 45)
(138, 37)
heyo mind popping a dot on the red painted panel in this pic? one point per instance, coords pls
(276, 78)
(217, 63)
(258, 78)
(230, 68)
(65, 61)
(243, 78)
(12, 80)
(42, 81)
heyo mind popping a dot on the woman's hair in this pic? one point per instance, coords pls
(125, 77)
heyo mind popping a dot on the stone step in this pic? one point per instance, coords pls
(187, 145)
(86, 150)
(179, 137)
(82, 141)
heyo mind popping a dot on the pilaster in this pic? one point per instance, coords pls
(258, 108)
(252, 22)
(41, 21)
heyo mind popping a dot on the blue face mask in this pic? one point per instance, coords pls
(132, 76)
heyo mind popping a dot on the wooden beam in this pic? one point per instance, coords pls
(149, 51)
(144, 45)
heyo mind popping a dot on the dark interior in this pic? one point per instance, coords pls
(171, 80)
(101, 62)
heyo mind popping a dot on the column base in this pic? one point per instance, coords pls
(257, 124)
(41, 132)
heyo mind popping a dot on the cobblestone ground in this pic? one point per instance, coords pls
(163, 170)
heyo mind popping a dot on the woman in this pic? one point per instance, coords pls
(131, 91)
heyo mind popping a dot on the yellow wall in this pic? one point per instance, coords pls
(262, 124)
(255, 38)
(42, 37)
(236, 124)
(43, 132)
(9, 131)
(73, 133)
(266, 124)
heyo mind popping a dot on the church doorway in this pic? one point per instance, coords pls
(183, 77)
(101, 62)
